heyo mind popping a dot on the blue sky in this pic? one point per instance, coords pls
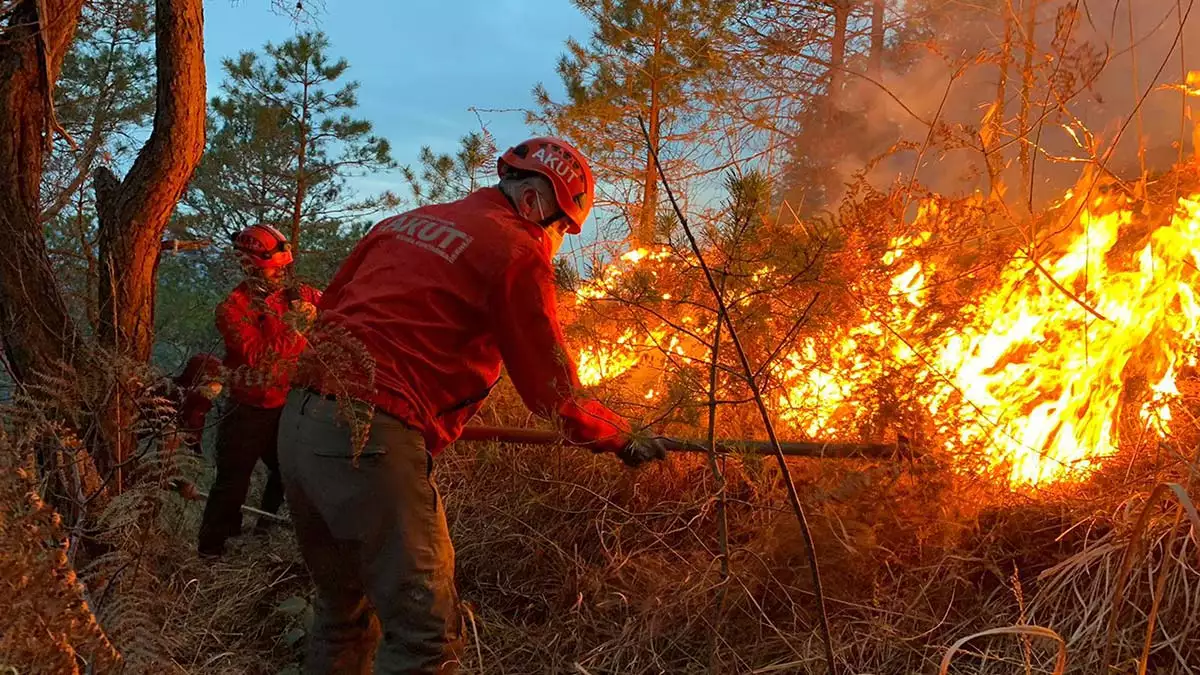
(420, 65)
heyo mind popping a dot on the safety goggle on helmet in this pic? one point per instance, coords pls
(565, 167)
(264, 246)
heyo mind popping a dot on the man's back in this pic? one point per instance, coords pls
(429, 294)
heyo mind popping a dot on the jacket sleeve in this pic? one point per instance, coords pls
(525, 323)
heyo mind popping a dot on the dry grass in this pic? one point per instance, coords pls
(574, 564)
(49, 624)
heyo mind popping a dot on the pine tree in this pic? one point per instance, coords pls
(445, 177)
(823, 131)
(651, 59)
(283, 144)
(104, 94)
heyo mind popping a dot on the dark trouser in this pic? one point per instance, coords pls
(375, 540)
(245, 435)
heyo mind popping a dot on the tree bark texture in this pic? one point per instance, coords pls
(134, 212)
(37, 332)
(644, 234)
(877, 35)
(837, 54)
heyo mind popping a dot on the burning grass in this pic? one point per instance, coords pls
(1016, 354)
(571, 560)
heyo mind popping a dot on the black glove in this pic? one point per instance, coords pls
(638, 451)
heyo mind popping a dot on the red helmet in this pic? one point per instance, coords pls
(565, 167)
(264, 246)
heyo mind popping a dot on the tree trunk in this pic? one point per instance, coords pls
(994, 156)
(1027, 91)
(832, 183)
(877, 34)
(93, 270)
(37, 332)
(837, 54)
(298, 198)
(1137, 92)
(644, 235)
(133, 213)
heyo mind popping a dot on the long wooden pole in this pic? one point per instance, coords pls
(791, 449)
(190, 492)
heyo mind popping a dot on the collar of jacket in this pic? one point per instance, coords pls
(495, 196)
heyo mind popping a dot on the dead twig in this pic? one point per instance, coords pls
(755, 390)
(53, 127)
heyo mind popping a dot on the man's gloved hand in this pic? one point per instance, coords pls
(638, 451)
(210, 390)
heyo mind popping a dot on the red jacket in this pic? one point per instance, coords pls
(438, 297)
(260, 348)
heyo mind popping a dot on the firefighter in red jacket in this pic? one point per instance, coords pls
(438, 297)
(262, 322)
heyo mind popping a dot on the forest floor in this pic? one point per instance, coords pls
(570, 563)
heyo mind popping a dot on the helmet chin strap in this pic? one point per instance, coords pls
(554, 239)
(553, 236)
(544, 222)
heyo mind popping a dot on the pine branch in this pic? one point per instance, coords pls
(760, 403)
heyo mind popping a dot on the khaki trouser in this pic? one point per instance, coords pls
(375, 540)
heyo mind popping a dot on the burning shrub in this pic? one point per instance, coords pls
(1014, 348)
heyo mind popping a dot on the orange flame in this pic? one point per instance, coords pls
(1041, 378)
(1033, 377)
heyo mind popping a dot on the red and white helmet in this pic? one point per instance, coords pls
(263, 246)
(565, 167)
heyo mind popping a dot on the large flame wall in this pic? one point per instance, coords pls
(1029, 377)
